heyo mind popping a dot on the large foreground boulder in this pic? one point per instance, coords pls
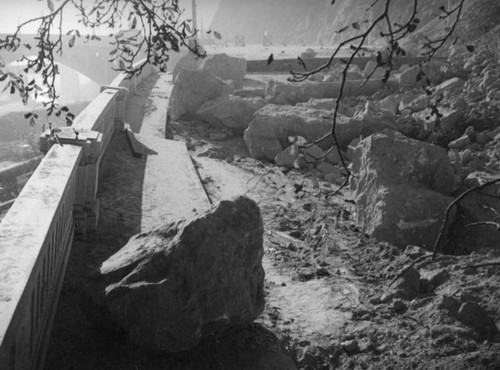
(192, 89)
(167, 286)
(401, 188)
(230, 111)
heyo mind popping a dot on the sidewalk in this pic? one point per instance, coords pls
(135, 195)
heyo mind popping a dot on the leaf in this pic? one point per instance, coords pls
(470, 48)
(12, 89)
(270, 59)
(28, 115)
(355, 25)
(32, 121)
(6, 86)
(69, 32)
(2, 78)
(134, 23)
(72, 41)
(333, 2)
(217, 35)
(77, 33)
(122, 64)
(412, 27)
(50, 5)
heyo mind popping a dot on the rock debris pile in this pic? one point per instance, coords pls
(435, 126)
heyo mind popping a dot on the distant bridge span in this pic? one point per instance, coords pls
(89, 58)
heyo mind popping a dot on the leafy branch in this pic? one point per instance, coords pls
(153, 29)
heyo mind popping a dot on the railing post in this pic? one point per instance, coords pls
(121, 100)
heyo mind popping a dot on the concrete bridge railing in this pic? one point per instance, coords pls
(37, 233)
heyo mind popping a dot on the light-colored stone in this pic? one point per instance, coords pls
(460, 143)
(191, 90)
(450, 118)
(333, 156)
(408, 78)
(230, 111)
(189, 61)
(391, 103)
(168, 285)
(401, 187)
(326, 168)
(226, 67)
(288, 157)
(452, 84)
(271, 126)
(293, 93)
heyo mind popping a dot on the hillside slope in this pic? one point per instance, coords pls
(316, 21)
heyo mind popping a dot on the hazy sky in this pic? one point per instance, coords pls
(13, 12)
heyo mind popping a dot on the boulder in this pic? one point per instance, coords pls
(373, 120)
(189, 61)
(292, 93)
(226, 67)
(401, 214)
(191, 90)
(328, 104)
(288, 157)
(401, 188)
(475, 316)
(408, 78)
(230, 111)
(478, 209)
(460, 143)
(448, 121)
(452, 84)
(167, 286)
(434, 70)
(268, 132)
(416, 104)
(253, 92)
(391, 104)
(326, 168)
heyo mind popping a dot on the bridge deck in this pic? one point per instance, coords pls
(135, 194)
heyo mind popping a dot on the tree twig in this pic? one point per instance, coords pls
(444, 228)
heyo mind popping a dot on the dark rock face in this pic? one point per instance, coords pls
(168, 286)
